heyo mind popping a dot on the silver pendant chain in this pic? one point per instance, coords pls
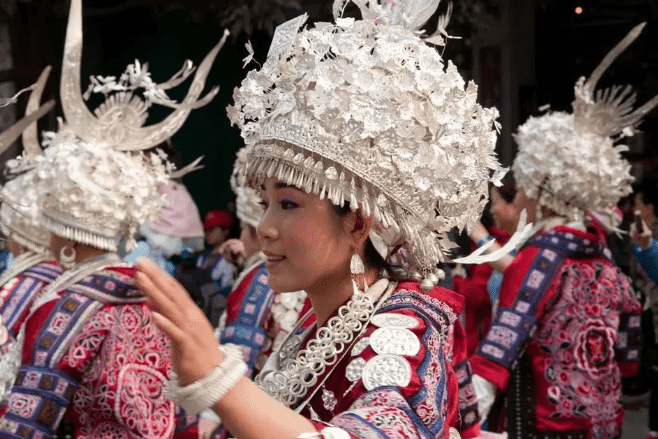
(295, 376)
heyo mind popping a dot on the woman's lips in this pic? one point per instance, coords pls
(273, 260)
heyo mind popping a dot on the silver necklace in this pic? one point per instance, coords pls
(21, 263)
(290, 382)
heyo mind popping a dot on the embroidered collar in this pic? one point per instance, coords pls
(571, 242)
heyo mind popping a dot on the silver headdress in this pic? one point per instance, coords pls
(366, 112)
(19, 212)
(247, 199)
(569, 161)
(103, 186)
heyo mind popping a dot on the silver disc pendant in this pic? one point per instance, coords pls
(386, 370)
(354, 370)
(394, 319)
(360, 346)
(400, 341)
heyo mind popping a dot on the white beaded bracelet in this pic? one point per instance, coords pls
(205, 392)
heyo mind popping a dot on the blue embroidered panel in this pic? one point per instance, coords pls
(439, 321)
(70, 312)
(37, 403)
(19, 300)
(247, 329)
(44, 272)
(469, 413)
(514, 326)
(629, 338)
(109, 286)
(571, 245)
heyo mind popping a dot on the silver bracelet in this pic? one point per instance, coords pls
(205, 392)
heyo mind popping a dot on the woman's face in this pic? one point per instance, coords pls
(505, 215)
(305, 241)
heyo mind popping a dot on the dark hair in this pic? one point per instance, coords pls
(508, 190)
(648, 189)
(371, 257)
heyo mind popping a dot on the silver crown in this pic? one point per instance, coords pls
(365, 112)
(569, 161)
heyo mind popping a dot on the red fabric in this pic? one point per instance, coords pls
(218, 218)
(111, 363)
(575, 374)
(432, 379)
(474, 288)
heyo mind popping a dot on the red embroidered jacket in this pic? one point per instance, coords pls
(361, 394)
(567, 329)
(94, 359)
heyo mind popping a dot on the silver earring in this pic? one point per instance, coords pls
(357, 269)
(67, 261)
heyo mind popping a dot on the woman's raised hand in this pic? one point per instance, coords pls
(232, 250)
(195, 352)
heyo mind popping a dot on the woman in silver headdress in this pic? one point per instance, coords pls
(93, 362)
(34, 267)
(360, 135)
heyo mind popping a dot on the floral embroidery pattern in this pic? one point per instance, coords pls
(121, 392)
(580, 332)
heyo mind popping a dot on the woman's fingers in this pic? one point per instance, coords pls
(164, 282)
(159, 301)
(165, 325)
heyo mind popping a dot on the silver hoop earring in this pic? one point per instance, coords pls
(67, 261)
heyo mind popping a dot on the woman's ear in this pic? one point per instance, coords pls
(357, 226)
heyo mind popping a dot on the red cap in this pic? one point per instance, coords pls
(218, 218)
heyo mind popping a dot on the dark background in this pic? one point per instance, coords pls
(166, 32)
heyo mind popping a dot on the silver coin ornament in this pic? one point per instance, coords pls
(395, 320)
(354, 370)
(400, 341)
(386, 370)
(360, 346)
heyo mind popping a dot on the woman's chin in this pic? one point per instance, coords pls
(283, 284)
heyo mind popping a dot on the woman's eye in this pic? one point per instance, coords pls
(287, 204)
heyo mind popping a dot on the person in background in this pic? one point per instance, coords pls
(93, 362)
(34, 268)
(211, 296)
(568, 323)
(177, 230)
(644, 272)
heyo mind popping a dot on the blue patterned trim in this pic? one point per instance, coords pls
(438, 426)
(356, 418)
(44, 272)
(19, 300)
(406, 299)
(247, 329)
(469, 413)
(513, 326)
(441, 321)
(629, 338)
(109, 286)
(62, 324)
(421, 429)
(37, 403)
(570, 245)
